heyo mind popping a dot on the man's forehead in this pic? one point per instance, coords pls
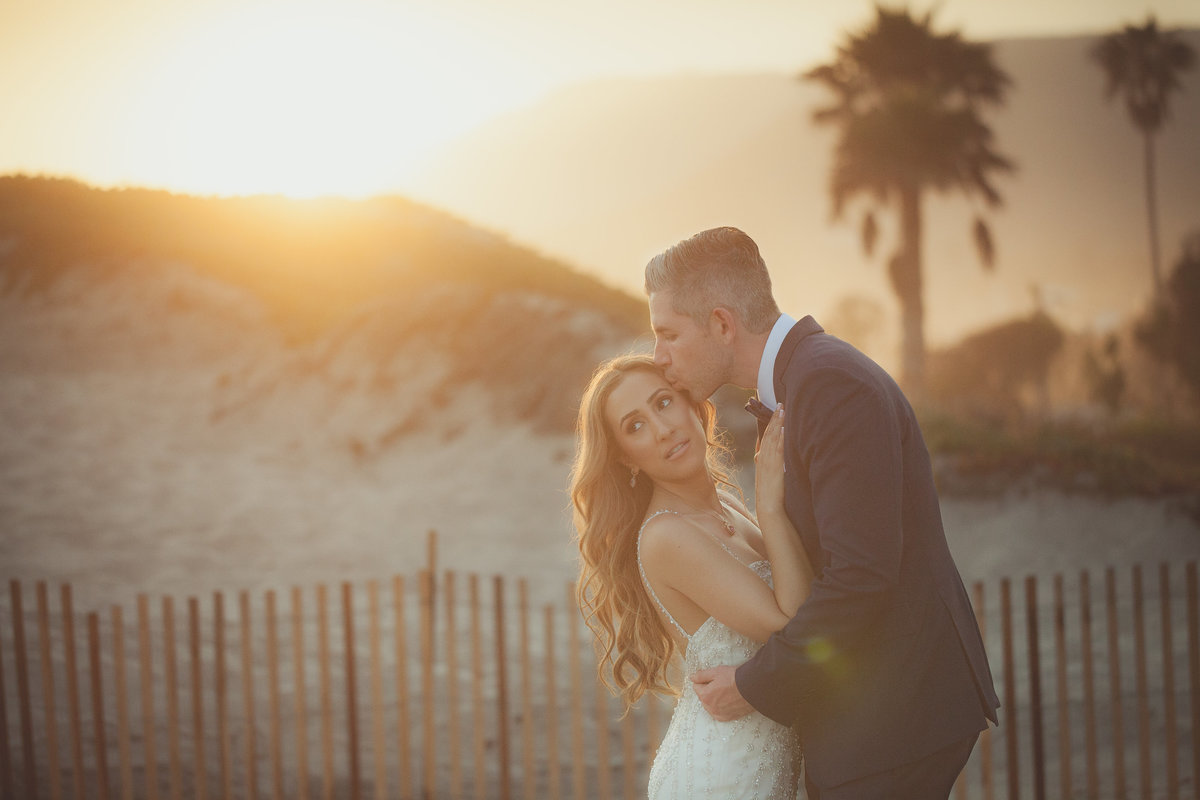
(662, 311)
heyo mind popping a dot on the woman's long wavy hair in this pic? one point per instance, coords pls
(632, 641)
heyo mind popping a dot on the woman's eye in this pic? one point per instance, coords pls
(634, 427)
(664, 401)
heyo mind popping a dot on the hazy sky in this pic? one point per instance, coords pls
(346, 96)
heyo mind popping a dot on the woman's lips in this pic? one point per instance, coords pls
(677, 450)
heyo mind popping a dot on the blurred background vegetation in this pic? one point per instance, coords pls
(1024, 399)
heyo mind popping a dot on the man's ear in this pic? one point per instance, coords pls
(723, 324)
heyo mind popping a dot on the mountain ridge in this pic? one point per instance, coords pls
(607, 182)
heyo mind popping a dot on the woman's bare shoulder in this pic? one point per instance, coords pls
(664, 528)
(671, 539)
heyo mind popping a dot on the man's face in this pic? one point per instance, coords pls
(692, 358)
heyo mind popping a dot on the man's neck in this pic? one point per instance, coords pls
(750, 356)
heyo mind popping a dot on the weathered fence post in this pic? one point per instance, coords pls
(1035, 688)
(220, 678)
(198, 750)
(301, 700)
(93, 623)
(1168, 649)
(501, 689)
(24, 703)
(1139, 639)
(1010, 692)
(1089, 689)
(276, 747)
(1114, 676)
(1060, 667)
(49, 720)
(105, 726)
(351, 690)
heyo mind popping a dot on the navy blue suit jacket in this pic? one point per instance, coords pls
(884, 663)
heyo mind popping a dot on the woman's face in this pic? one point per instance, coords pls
(655, 427)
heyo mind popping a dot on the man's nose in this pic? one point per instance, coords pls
(660, 354)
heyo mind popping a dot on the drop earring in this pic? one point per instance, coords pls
(633, 473)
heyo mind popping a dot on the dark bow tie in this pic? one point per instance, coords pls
(759, 410)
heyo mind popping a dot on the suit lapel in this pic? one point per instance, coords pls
(797, 501)
(799, 332)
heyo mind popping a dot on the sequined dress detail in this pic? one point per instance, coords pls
(754, 757)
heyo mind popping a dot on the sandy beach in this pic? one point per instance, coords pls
(139, 452)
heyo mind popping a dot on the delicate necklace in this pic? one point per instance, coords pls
(719, 516)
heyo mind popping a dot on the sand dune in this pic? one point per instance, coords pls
(157, 435)
(180, 446)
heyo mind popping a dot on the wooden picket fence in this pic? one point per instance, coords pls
(431, 685)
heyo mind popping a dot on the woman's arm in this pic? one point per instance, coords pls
(694, 576)
(790, 567)
(696, 579)
(793, 574)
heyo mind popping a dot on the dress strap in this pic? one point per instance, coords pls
(646, 581)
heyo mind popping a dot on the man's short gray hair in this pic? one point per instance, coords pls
(716, 267)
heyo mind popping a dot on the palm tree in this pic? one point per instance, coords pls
(908, 104)
(1143, 66)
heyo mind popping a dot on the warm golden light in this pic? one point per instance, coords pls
(307, 97)
(306, 100)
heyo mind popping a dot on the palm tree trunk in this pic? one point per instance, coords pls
(1152, 214)
(905, 272)
(1161, 378)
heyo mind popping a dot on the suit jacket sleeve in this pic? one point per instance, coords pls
(845, 431)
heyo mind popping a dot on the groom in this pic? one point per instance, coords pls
(882, 670)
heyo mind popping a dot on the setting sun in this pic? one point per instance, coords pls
(315, 316)
(305, 101)
(298, 99)
(352, 97)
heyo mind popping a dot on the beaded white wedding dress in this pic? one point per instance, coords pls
(754, 758)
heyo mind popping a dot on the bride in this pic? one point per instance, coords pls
(673, 563)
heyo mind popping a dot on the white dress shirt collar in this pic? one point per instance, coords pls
(766, 367)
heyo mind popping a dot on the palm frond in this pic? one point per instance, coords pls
(869, 233)
(907, 102)
(984, 245)
(1142, 65)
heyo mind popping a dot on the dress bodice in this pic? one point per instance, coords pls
(752, 758)
(712, 641)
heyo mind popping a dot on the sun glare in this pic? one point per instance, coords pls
(309, 100)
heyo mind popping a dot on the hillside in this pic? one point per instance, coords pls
(177, 415)
(354, 295)
(612, 171)
(199, 393)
